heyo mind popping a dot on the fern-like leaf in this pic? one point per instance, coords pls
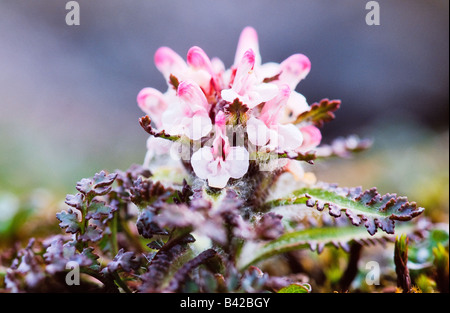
(319, 113)
(361, 207)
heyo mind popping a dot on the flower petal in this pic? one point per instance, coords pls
(217, 65)
(198, 126)
(296, 105)
(261, 93)
(198, 59)
(229, 95)
(289, 137)
(200, 160)
(243, 72)
(169, 62)
(247, 40)
(192, 95)
(294, 69)
(152, 102)
(267, 70)
(271, 109)
(311, 137)
(257, 132)
(237, 161)
(219, 180)
(296, 169)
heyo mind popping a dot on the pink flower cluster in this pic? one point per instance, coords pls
(200, 93)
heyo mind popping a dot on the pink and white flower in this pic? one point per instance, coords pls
(205, 88)
(267, 132)
(196, 69)
(190, 115)
(220, 162)
(246, 87)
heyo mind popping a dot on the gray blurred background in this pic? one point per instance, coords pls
(68, 93)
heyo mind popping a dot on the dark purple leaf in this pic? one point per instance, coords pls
(127, 261)
(269, 226)
(92, 234)
(100, 184)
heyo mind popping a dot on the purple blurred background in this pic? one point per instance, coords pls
(68, 93)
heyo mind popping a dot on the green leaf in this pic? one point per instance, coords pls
(441, 261)
(296, 288)
(316, 239)
(361, 207)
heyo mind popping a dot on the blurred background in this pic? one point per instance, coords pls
(68, 93)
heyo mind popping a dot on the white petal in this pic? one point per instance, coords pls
(247, 40)
(198, 126)
(289, 137)
(169, 62)
(261, 93)
(296, 105)
(220, 180)
(294, 69)
(170, 119)
(192, 95)
(200, 160)
(257, 132)
(158, 145)
(237, 161)
(153, 103)
(267, 70)
(244, 73)
(229, 95)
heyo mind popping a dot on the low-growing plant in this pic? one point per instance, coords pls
(231, 198)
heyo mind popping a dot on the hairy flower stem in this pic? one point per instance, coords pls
(182, 274)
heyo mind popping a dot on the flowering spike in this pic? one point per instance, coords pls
(236, 118)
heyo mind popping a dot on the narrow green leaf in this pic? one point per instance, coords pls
(296, 288)
(315, 239)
